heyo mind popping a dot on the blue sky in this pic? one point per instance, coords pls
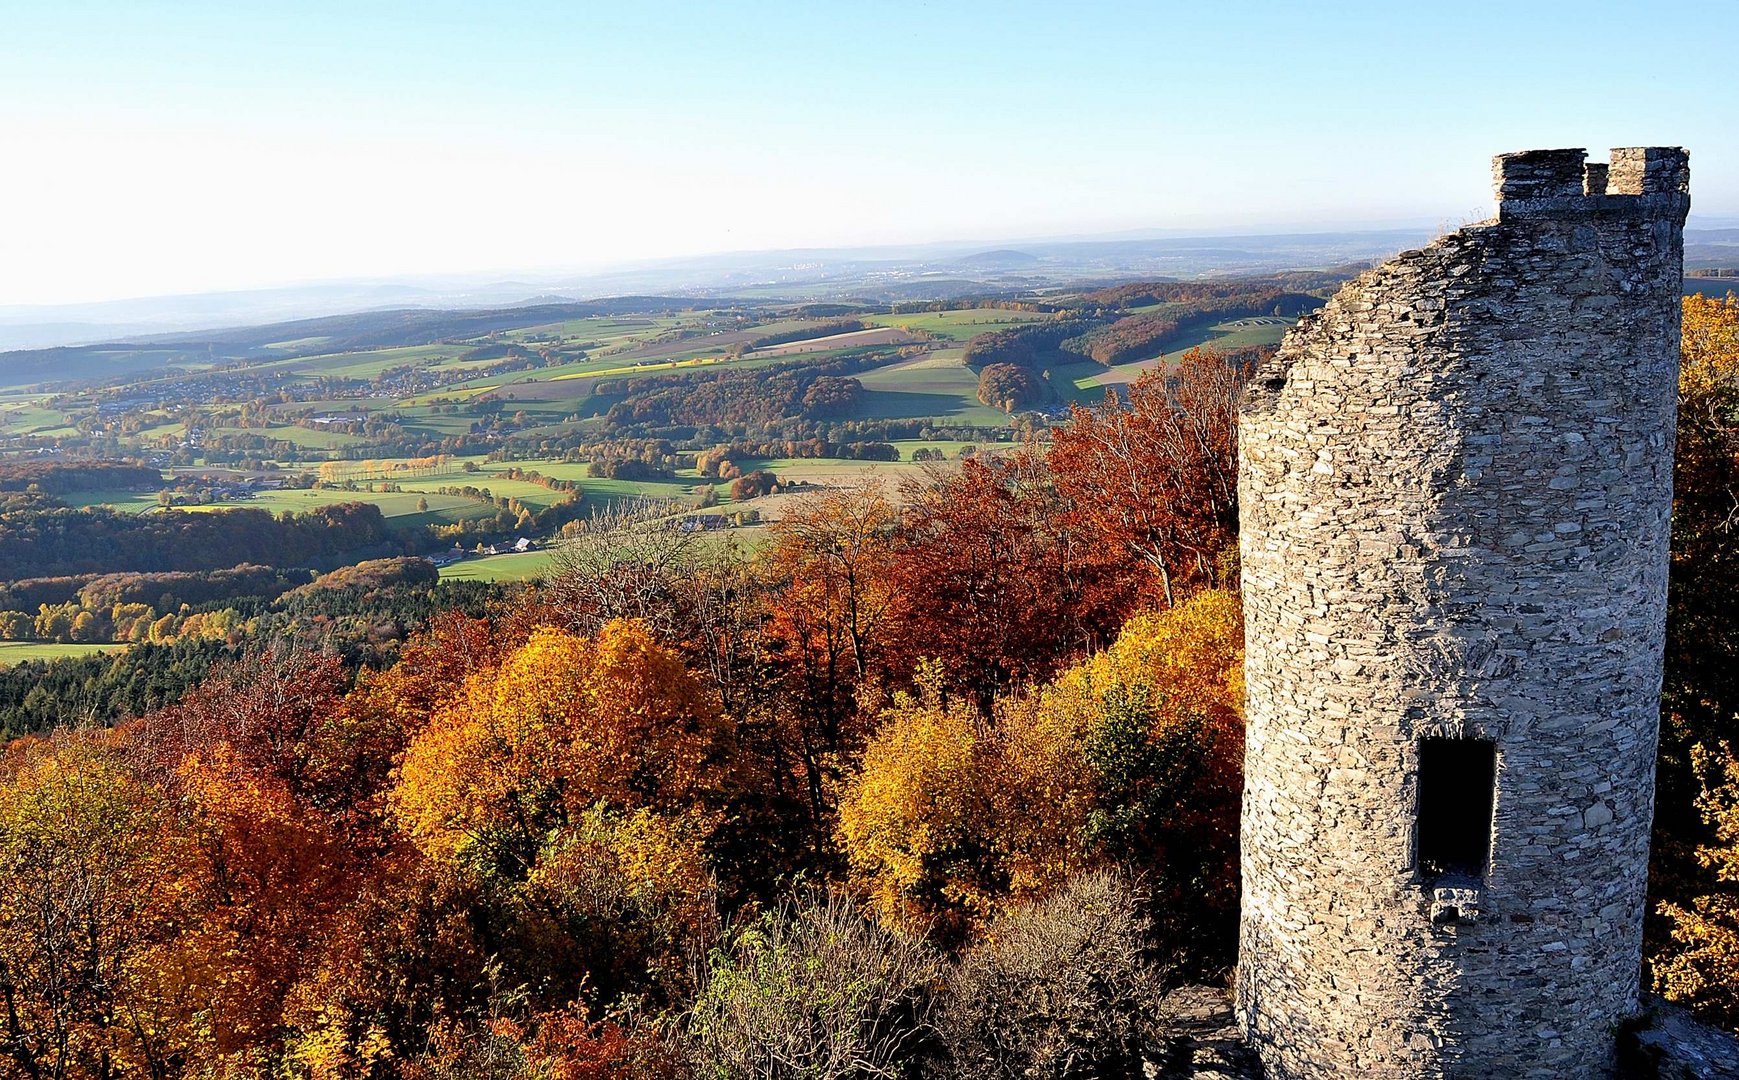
(162, 147)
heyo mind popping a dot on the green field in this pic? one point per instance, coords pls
(596, 333)
(132, 502)
(950, 447)
(1237, 334)
(312, 438)
(938, 385)
(1082, 382)
(957, 325)
(533, 495)
(398, 506)
(835, 472)
(30, 418)
(514, 567)
(16, 652)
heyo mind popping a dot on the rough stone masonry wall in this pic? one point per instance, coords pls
(1455, 488)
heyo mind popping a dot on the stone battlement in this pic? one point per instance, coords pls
(1645, 180)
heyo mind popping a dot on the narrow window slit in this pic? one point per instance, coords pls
(1457, 779)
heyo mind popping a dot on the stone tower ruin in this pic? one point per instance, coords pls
(1456, 485)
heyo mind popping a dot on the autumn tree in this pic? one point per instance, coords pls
(624, 562)
(1157, 477)
(832, 605)
(88, 911)
(915, 822)
(402, 956)
(1701, 966)
(710, 603)
(833, 554)
(281, 715)
(272, 788)
(997, 587)
(1160, 722)
(698, 596)
(1693, 873)
(393, 704)
(563, 723)
(576, 785)
(1133, 756)
(1702, 654)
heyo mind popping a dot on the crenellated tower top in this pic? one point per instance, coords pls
(1637, 180)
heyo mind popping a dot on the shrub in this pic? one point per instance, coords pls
(813, 991)
(1059, 987)
(561, 1044)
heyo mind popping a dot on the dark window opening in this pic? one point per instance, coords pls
(1457, 778)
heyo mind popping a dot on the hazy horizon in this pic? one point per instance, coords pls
(533, 276)
(180, 149)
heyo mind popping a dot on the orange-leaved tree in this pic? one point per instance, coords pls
(1158, 477)
(270, 785)
(833, 611)
(997, 587)
(833, 554)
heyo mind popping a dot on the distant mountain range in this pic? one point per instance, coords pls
(878, 275)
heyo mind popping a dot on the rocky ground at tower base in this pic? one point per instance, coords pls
(1665, 1044)
(1205, 1044)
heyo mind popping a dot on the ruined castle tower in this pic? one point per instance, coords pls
(1456, 483)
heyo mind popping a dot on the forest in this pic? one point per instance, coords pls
(735, 400)
(42, 538)
(938, 780)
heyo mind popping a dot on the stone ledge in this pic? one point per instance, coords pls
(1204, 1043)
(1667, 1044)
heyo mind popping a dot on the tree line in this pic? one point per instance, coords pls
(40, 537)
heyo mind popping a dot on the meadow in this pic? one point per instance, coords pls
(1086, 382)
(958, 326)
(17, 652)
(517, 566)
(936, 385)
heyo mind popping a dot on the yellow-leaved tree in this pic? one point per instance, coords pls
(1703, 969)
(574, 784)
(916, 822)
(1695, 870)
(1131, 756)
(90, 899)
(564, 722)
